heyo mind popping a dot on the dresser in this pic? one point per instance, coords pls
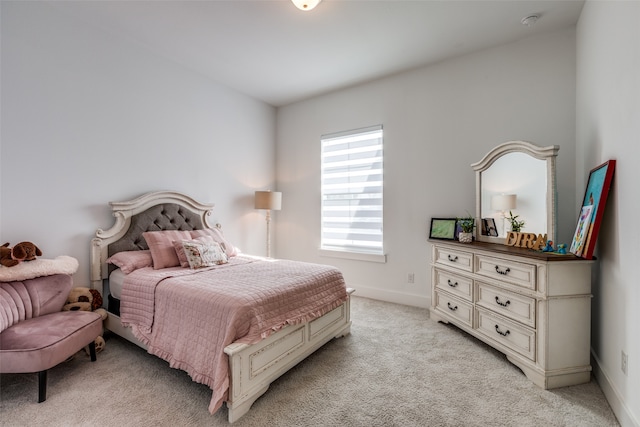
(534, 307)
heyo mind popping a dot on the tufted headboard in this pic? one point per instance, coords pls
(160, 210)
(167, 216)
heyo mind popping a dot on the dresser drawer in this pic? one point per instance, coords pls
(453, 283)
(520, 274)
(454, 307)
(517, 338)
(453, 258)
(509, 304)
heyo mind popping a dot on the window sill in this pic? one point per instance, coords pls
(357, 256)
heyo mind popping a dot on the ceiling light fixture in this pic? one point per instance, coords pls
(530, 20)
(305, 4)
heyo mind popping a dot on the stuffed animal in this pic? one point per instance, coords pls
(26, 251)
(5, 256)
(85, 299)
(23, 251)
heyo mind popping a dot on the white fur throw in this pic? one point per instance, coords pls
(39, 267)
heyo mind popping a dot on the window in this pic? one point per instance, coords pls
(352, 191)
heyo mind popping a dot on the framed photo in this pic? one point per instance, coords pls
(443, 228)
(592, 210)
(489, 227)
(582, 230)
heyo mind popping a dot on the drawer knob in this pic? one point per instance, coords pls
(454, 308)
(452, 258)
(504, 304)
(504, 334)
(503, 272)
(452, 284)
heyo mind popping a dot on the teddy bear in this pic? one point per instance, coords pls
(85, 299)
(23, 251)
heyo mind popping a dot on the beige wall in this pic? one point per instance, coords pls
(437, 121)
(90, 117)
(608, 126)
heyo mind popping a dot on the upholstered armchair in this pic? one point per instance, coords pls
(35, 335)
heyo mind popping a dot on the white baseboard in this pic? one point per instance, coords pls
(415, 300)
(625, 417)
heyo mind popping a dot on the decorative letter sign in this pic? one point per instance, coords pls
(526, 240)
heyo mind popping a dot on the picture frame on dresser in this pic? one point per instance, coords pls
(443, 228)
(489, 227)
(592, 210)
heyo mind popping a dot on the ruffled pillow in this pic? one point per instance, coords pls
(201, 254)
(129, 261)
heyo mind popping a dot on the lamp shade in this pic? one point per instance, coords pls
(271, 200)
(503, 202)
(305, 4)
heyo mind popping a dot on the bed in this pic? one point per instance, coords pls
(233, 322)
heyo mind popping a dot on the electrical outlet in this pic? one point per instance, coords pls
(624, 365)
(411, 278)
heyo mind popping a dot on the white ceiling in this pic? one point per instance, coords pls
(274, 52)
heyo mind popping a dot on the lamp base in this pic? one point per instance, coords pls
(268, 217)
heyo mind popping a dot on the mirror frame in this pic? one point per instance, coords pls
(548, 154)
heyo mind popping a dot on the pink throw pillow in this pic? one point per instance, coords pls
(129, 261)
(161, 246)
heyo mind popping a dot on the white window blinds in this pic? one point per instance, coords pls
(352, 191)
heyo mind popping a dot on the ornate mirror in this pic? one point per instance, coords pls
(517, 177)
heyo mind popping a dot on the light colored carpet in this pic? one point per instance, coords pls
(397, 368)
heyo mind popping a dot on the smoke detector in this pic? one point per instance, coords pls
(530, 20)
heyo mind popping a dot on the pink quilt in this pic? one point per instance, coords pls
(187, 317)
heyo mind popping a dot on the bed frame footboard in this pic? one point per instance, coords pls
(252, 368)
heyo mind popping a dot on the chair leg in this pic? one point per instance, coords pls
(42, 386)
(42, 375)
(92, 350)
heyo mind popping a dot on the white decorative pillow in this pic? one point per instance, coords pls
(217, 235)
(182, 256)
(203, 254)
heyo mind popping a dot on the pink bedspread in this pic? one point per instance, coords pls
(187, 317)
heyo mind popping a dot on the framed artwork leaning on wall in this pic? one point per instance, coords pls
(592, 210)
